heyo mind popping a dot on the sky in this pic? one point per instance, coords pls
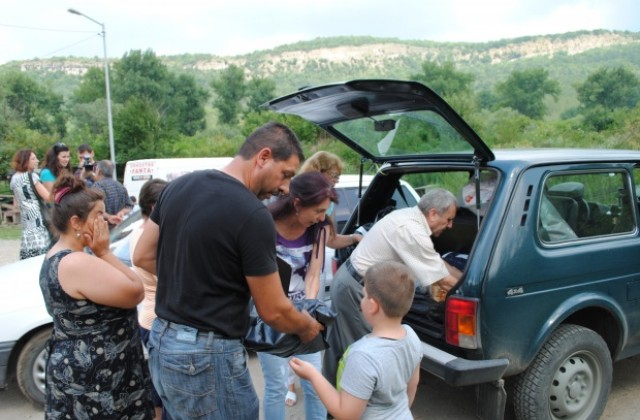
(32, 29)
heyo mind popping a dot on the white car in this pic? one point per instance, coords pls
(25, 326)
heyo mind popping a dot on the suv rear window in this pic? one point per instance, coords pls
(585, 205)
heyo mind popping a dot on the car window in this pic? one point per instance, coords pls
(585, 205)
(347, 200)
(404, 198)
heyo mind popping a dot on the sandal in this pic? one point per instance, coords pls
(291, 399)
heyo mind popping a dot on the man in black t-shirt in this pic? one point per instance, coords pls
(212, 243)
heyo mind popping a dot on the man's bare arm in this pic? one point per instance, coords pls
(145, 254)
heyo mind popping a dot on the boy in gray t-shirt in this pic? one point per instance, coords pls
(378, 374)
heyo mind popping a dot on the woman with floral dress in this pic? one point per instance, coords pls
(96, 367)
(26, 187)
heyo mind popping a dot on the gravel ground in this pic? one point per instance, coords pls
(9, 250)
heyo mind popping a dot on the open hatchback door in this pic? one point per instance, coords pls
(387, 120)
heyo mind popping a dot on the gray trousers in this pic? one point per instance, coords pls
(349, 325)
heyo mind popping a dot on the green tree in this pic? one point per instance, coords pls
(444, 79)
(91, 87)
(609, 88)
(141, 75)
(525, 91)
(158, 104)
(34, 105)
(230, 90)
(186, 108)
(258, 91)
(139, 130)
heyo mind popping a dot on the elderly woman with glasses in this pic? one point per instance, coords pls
(56, 162)
(331, 166)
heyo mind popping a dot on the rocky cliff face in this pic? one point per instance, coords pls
(377, 53)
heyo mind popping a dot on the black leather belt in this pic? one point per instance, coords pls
(353, 272)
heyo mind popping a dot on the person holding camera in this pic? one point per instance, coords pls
(86, 164)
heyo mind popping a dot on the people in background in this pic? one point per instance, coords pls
(116, 198)
(380, 372)
(149, 194)
(300, 241)
(95, 366)
(403, 236)
(213, 243)
(26, 187)
(86, 164)
(57, 161)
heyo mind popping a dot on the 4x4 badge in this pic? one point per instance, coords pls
(515, 291)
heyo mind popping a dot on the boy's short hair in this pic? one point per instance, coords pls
(392, 285)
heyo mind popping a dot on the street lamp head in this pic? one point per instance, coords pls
(74, 11)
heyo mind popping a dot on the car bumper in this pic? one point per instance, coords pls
(5, 353)
(461, 372)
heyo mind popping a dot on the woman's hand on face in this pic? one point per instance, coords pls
(99, 241)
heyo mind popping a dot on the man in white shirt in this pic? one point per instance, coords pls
(402, 236)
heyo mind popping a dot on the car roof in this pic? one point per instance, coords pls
(565, 155)
(353, 180)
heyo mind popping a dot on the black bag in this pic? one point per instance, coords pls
(261, 337)
(45, 212)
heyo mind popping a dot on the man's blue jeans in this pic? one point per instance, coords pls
(275, 372)
(200, 375)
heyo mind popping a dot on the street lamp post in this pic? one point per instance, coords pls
(112, 148)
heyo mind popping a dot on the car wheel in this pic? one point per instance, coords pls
(31, 367)
(570, 377)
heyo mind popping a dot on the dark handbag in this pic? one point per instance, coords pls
(45, 212)
(263, 338)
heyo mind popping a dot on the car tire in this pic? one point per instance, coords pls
(31, 367)
(569, 378)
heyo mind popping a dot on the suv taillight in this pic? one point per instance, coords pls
(461, 316)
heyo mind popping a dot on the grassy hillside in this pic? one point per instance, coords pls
(568, 57)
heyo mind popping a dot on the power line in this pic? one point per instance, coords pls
(51, 53)
(40, 29)
(71, 45)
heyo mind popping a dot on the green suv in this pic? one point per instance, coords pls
(548, 240)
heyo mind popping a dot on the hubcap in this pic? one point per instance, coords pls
(575, 386)
(38, 371)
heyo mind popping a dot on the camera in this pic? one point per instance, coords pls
(87, 165)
